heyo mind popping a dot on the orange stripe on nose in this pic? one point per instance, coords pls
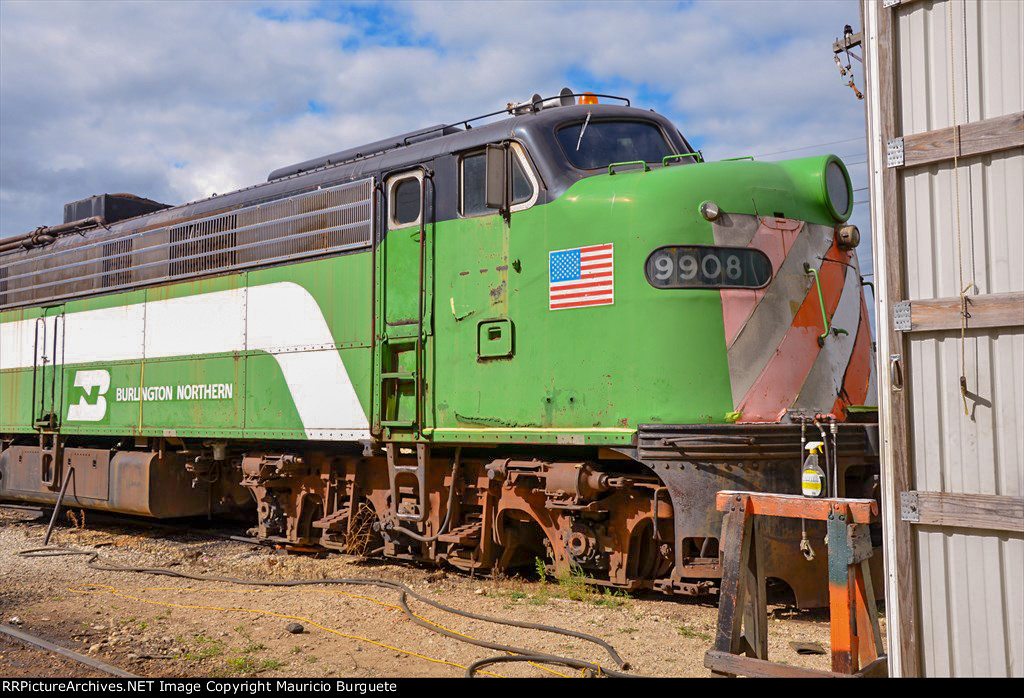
(858, 373)
(778, 385)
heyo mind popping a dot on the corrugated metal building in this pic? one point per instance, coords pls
(945, 115)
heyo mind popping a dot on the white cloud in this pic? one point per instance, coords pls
(177, 100)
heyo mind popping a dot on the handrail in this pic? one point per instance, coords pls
(809, 270)
(698, 156)
(611, 167)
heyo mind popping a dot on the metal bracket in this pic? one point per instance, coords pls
(890, 3)
(909, 509)
(901, 316)
(408, 473)
(894, 152)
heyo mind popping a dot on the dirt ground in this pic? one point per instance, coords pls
(165, 627)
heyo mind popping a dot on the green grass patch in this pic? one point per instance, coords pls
(689, 632)
(206, 648)
(246, 665)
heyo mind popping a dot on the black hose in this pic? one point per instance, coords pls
(546, 659)
(404, 592)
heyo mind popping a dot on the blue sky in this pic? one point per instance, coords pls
(179, 100)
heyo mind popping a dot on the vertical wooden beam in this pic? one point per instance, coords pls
(865, 615)
(755, 615)
(842, 623)
(736, 529)
(897, 466)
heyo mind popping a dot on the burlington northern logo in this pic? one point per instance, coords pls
(86, 411)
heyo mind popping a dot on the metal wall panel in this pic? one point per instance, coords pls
(960, 61)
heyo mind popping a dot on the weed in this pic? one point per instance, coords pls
(577, 586)
(296, 650)
(541, 569)
(693, 634)
(611, 598)
(208, 648)
(359, 538)
(573, 584)
(248, 665)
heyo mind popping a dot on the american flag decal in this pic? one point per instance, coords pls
(581, 276)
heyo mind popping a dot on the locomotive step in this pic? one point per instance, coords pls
(463, 535)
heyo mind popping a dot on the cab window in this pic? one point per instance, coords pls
(597, 144)
(404, 196)
(472, 183)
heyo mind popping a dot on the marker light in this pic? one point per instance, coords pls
(848, 237)
(709, 210)
(588, 98)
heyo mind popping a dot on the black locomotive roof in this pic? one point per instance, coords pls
(535, 129)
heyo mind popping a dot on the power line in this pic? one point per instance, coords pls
(808, 147)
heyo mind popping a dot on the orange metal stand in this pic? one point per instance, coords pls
(742, 610)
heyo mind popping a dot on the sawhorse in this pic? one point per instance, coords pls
(743, 610)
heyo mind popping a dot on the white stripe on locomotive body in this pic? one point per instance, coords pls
(282, 319)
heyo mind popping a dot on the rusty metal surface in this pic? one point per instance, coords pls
(625, 524)
(131, 482)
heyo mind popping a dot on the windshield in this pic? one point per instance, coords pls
(591, 144)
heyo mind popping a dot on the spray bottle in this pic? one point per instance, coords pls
(812, 478)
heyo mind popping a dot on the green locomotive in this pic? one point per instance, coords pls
(553, 334)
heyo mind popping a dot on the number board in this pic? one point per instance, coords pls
(706, 266)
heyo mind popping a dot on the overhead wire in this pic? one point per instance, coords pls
(809, 147)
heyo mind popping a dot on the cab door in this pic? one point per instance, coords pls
(481, 286)
(47, 369)
(404, 307)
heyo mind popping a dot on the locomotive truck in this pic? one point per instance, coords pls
(551, 332)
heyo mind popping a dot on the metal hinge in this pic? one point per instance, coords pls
(901, 316)
(909, 510)
(894, 152)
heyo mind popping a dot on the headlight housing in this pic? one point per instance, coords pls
(837, 189)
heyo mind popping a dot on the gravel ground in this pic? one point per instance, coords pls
(165, 627)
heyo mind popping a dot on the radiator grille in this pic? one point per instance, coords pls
(117, 263)
(316, 223)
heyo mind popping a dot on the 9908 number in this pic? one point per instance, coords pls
(706, 266)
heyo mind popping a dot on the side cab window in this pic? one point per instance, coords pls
(473, 182)
(404, 200)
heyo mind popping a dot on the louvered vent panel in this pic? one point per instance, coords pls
(315, 223)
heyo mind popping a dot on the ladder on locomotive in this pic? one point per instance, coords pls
(48, 391)
(406, 471)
